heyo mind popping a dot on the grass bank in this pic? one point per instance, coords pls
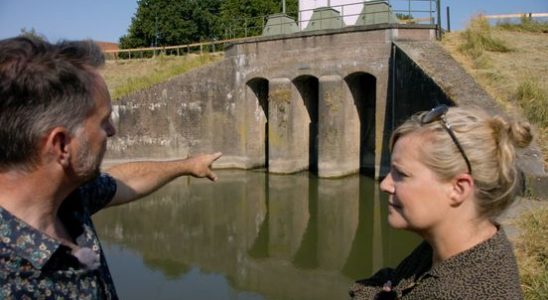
(509, 62)
(532, 253)
(124, 77)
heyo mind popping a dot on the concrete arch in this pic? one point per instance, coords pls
(338, 129)
(363, 89)
(307, 118)
(256, 121)
(287, 116)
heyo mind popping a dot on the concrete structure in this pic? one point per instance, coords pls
(376, 13)
(324, 101)
(279, 24)
(325, 18)
(307, 101)
(349, 10)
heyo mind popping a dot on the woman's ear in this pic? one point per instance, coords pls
(462, 188)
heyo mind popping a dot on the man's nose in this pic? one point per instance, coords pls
(111, 130)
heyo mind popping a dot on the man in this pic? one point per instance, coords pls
(54, 123)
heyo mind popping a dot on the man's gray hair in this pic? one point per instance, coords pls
(42, 86)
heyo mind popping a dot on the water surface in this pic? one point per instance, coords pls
(250, 235)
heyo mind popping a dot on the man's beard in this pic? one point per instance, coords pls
(88, 166)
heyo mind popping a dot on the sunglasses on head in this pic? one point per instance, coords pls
(438, 114)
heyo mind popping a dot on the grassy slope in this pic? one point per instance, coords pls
(516, 76)
(124, 77)
(510, 63)
(532, 253)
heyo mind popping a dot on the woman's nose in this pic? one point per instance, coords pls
(387, 184)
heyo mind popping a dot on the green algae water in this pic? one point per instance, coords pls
(251, 235)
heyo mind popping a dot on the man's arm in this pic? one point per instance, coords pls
(138, 179)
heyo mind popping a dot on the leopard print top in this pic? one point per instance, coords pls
(485, 271)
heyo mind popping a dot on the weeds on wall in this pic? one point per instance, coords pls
(136, 75)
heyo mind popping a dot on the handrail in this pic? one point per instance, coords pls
(509, 16)
(162, 49)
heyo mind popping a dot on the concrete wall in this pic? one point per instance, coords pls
(186, 114)
(315, 101)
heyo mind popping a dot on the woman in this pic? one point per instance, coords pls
(453, 171)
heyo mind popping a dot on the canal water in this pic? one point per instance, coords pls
(251, 235)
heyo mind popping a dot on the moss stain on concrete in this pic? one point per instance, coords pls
(332, 101)
(280, 96)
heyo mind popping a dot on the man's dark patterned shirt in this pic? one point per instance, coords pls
(35, 266)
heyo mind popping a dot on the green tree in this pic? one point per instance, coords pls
(32, 34)
(166, 22)
(248, 17)
(208, 23)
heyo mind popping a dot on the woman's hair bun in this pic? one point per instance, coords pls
(518, 133)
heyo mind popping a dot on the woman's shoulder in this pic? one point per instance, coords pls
(493, 253)
(487, 271)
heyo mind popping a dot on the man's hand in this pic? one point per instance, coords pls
(137, 179)
(200, 165)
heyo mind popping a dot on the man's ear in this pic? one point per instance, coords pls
(462, 188)
(58, 145)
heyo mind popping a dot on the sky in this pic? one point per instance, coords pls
(108, 20)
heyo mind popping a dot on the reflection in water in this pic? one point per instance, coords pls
(251, 235)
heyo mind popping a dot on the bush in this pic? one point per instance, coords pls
(534, 101)
(477, 39)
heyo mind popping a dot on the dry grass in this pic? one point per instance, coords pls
(124, 77)
(478, 39)
(533, 99)
(517, 79)
(532, 254)
(526, 25)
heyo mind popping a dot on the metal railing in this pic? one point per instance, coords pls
(514, 16)
(147, 52)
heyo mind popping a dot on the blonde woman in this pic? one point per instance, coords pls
(453, 171)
